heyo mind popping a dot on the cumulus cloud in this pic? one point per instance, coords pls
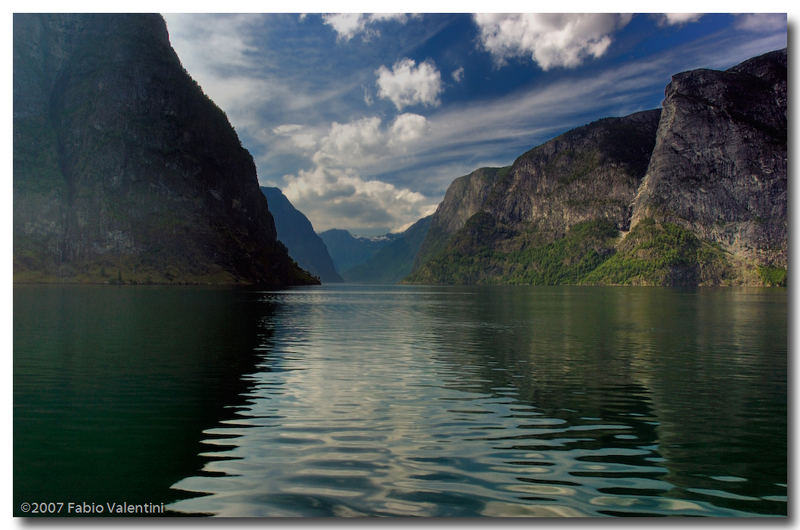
(353, 143)
(550, 39)
(334, 194)
(762, 22)
(348, 25)
(407, 128)
(336, 198)
(458, 74)
(409, 84)
(677, 19)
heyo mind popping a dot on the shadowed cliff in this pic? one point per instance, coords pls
(124, 171)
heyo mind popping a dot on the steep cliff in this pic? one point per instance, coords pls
(493, 223)
(695, 194)
(718, 168)
(464, 198)
(296, 232)
(124, 171)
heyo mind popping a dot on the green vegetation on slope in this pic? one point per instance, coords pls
(590, 253)
(465, 196)
(664, 254)
(568, 259)
(772, 276)
(532, 257)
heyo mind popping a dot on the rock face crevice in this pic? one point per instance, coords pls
(124, 170)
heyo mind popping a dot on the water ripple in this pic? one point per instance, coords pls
(442, 402)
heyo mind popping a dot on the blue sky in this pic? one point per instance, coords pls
(364, 120)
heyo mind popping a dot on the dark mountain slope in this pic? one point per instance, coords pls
(295, 231)
(123, 169)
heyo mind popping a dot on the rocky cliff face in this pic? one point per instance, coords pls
(587, 174)
(123, 169)
(591, 172)
(719, 164)
(700, 185)
(464, 198)
(296, 232)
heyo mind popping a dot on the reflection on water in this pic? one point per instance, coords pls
(506, 402)
(112, 386)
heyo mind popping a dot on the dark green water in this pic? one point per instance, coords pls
(348, 400)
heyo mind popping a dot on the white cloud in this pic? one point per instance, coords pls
(351, 144)
(334, 194)
(340, 198)
(407, 128)
(300, 136)
(458, 74)
(676, 19)
(251, 84)
(550, 39)
(217, 52)
(216, 41)
(409, 84)
(348, 25)
(762, 22)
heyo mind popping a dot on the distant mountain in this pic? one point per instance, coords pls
(124, 170)
(348, 250)
(295, 231)
(394, 261)
(695, 194)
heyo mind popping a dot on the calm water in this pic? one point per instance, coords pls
(354, 400)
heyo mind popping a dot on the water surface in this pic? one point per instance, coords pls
(356, 400)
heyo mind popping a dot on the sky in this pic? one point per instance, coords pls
(363, 120)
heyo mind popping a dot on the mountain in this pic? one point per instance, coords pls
(694, 194)
(394, 261)
(124, 170)
(546, 218)
(295, 231)
(719, 166)
(348, 250)
(464, 198)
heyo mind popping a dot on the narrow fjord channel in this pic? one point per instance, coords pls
(398, 400)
